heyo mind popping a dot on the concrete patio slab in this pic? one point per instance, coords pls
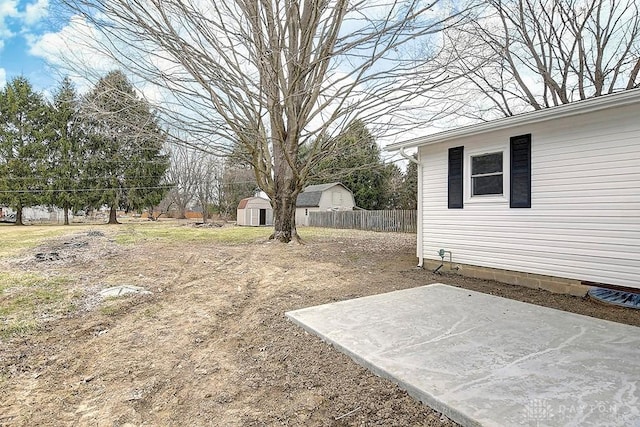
(483, 360)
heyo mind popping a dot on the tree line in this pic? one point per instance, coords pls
(280, 80)
(107, 148)
(78, 153)
(216, 185)
(356, 161)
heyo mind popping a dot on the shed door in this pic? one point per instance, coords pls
(263, 217)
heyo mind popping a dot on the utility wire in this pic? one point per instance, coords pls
(83, 190)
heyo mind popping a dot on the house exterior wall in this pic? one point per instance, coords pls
(39, 214)
(302, 215)
(584, 219)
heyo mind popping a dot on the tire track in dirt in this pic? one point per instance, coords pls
(211, 346)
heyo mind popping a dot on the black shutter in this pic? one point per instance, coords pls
(520, 172)
(456, 182)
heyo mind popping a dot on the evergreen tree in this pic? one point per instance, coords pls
(395, 187)
(356, 163)
(23, 140)
(409, 194)
(66, 151)
(125, 147)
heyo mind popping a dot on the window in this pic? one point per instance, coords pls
(496, 174)
(487, 174)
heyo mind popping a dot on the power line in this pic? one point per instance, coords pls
(56, 178)
(83, 190)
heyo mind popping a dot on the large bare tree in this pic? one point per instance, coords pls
(532, 54)
(270, 76)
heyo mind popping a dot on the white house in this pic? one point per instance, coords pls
(550, 194)
(254, 211)
(321, 198)
(37, 214)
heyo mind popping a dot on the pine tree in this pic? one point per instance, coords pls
(66, 151)
(409, 197)
(125, 144)
(395, 187)
(23, 140)
(356, 163)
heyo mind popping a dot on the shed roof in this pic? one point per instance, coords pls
(620, 99)
(310, 196)
(244, 203)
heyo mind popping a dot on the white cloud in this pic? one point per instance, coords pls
(34, 12)
(74, 50)
(3, 77)
(8, 10)
(14, 20)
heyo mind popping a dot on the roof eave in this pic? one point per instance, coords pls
(562, 111)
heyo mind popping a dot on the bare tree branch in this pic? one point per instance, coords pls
(551, 52)
(269, 76)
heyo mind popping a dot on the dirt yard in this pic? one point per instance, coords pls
(210, 346)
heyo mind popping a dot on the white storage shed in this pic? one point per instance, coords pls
(254, 211)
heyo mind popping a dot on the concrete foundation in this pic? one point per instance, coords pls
(557, 285)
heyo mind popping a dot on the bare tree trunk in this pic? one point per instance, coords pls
(66, 215)
(112, 216)
(19, 215)
(284, 218)
(205, 215)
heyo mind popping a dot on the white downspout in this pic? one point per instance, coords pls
(419, 219)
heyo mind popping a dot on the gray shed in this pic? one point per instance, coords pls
(254, 211)
(333, 196)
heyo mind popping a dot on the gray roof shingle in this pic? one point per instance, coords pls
(310, 196)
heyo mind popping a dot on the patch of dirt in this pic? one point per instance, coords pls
(211, 345)
(70, 250)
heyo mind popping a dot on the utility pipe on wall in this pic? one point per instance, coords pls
(419, 249)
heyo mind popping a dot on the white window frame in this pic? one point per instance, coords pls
(468, 182)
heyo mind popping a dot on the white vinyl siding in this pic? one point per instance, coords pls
(584, 220)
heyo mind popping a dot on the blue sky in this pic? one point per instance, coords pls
(23, 23)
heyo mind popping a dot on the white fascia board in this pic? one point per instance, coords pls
(620, 99)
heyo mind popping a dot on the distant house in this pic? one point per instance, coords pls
(254, 211)
(537, 199)
(36, 214)
(323, 197)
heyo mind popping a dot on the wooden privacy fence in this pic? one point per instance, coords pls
(400, 221)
